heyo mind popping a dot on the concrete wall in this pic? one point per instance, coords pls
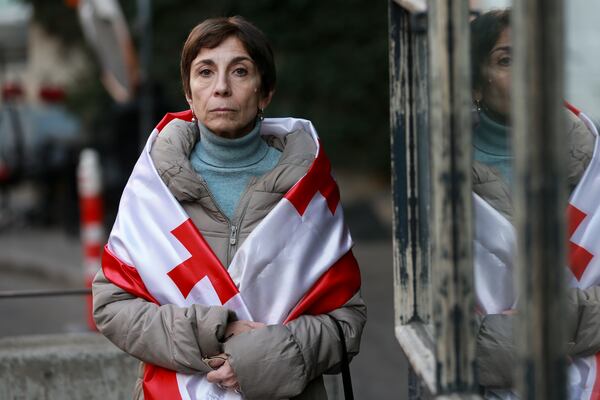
(68, 366)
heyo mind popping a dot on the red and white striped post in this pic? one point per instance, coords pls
(89, 180)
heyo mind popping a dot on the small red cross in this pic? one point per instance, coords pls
(317, 179)
(202, 262)
(579, 258)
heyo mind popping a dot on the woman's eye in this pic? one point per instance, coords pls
(505, 61)
(205, 73)
(240, 71)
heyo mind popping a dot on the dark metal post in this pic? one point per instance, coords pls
(401, 190)
(451, 225)
(17, 130)
(144, 8)
(410, 157)
(540, 194)
(410, 188)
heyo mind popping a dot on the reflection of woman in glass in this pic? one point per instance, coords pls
(491, 59)
(229, 170)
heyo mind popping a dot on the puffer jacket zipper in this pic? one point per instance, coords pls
(230, 226)
(232, 235)
(233, 228)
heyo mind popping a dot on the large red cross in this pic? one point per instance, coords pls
(317, 179)
(202, 262)
(579, 257)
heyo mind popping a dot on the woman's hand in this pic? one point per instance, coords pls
(237, 327)
(224, 376)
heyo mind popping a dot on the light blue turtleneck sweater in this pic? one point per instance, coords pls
(491, 142)
(227, 165)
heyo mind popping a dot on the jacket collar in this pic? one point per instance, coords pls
(173, 146)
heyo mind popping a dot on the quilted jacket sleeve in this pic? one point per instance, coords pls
(581, 145)
(496, 346)
(285, 358)
(172, 337)
(583, 322)
(496, 353)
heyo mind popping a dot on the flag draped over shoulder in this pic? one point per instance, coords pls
(298, 260)
(583, 229)
(495, 243)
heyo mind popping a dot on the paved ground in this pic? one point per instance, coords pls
(39, 315)
(380, 370)
(34, 259)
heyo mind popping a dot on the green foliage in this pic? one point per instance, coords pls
(331, 61)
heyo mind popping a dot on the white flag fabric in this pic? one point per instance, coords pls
(298, 260)
(494, 249)
(495, 245)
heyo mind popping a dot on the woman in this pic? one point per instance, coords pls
(492, 176)
(233, 175)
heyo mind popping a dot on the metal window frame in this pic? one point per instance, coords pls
(409, 119)
(430, 130)
(442, 359)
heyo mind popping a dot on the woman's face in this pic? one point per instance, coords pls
(225, 89)
(494, 92)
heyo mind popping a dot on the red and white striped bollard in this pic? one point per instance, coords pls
(89, 179)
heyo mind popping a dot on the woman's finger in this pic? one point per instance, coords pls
(222, 373)
(257, 325)
(218, 375)
(231, 383)
(213, 377)
(215, 363)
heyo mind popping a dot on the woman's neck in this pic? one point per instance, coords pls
(492, 137)
(501, 119)
(231, 153)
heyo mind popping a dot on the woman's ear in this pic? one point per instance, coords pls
(265, 100)
(477, 95)
(189, 100)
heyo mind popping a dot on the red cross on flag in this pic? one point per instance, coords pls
(296, 261)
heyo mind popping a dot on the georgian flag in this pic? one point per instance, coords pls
(583, 218)
(495, 243)
(298, 260)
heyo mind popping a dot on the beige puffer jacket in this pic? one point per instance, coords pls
(275, 362)
(496, 348)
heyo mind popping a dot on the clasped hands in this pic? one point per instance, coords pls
(223, 375)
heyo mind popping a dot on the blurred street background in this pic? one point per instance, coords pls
(99, 75)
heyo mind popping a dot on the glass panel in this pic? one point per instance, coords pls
(495, 242)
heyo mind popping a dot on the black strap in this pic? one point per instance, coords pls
(346, 379)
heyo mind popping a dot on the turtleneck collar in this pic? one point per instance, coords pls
(491, 137)
(222, 152)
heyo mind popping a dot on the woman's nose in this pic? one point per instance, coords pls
(222, 85)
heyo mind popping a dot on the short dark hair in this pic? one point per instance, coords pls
(485, 31)
(212, 32)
